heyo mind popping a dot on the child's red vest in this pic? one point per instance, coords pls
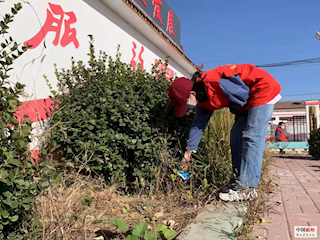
(263, 87)
(282, 136)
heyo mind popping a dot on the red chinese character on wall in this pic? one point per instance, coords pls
(163, 68)
(157, 10)
(53, 24)
(144, 2)
(140, 60)
(170, 24)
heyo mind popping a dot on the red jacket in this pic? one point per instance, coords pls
(263, 87)
(282, 136)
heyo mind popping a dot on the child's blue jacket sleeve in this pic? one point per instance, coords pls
(200, 122)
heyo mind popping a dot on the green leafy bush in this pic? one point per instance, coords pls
(118, 122)
(314, 144)
(112, 119)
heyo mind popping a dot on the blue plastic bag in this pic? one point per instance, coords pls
(185, 176)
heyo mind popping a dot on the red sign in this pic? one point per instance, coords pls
(170, 24)
(157, 10)
(53, 24)
(163, 68)
(134, 62)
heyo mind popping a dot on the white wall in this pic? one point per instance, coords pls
(93, 17)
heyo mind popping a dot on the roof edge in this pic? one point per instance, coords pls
(160, 32)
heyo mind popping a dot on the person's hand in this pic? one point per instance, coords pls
(185, 160)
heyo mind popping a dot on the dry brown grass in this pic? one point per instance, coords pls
(64, 214)
(257, 208)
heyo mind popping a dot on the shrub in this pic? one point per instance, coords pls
(18, 187)
(110, 118)
(118, 122)
(314, 144)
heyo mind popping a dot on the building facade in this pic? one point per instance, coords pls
(301, 118)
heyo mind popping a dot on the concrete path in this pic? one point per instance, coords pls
(216, 222)
(298, 199)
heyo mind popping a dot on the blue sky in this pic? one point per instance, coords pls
(218, 32)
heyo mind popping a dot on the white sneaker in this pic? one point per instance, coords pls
(241, 195)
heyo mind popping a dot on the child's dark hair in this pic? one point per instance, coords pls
(195, 76)
(199, 87)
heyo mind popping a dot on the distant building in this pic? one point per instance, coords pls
(301, 118)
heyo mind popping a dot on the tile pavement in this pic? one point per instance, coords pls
(298, 197)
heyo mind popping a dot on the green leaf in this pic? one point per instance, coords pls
(169, 234)
(5, 214)
(26, 206)
(20, 237)
(205, 182)
(35, 222)
(173, 177)
(17, 172)
(11, 110)
(25, 131)
(3, 174)
(162, 227)
(1, 227)
(140, 229)
(13, 103)
(132, 237)
(14, 218)
(14, 204)
(45, 184)
(152, 235)
(7, 194)
(44, 151)
(123, 227)
(22, 144)
(7, 202)
(5, 222)
(23, 184)
(28, 200)
(14, 162)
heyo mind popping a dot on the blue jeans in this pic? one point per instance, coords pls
(247, 140)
